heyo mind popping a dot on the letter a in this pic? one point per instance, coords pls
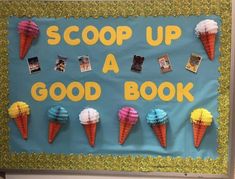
(110, 64)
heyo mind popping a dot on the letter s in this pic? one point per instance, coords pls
(54, 36)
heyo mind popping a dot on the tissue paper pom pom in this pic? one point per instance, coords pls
(128, 114)
(157, 116)
(18, 108)
(58, 113)
(201, 115)
(89, 115)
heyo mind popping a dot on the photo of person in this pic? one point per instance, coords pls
(165, 64)
(84, 63)
(137, 63)
(33, 64)
(60, 64)
(193, 63)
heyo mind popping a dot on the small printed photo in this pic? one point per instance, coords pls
(137, 63)
(165, 63)
(84, 62)
(34, 65)
(60, 64)
(193, 63)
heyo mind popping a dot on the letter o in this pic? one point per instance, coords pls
(103, 31)
(62, 94)
(70, 94)
(95, 32)
(148, 84)
(171, 94)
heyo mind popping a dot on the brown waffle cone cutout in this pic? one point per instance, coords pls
(124, 131)
(160, 132)
(208, 41)
(90, 130)
(22, 125)
(54, 128)
(199, 131)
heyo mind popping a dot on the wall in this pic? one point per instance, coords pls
(63, 176)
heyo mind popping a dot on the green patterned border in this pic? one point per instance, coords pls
(67, 9)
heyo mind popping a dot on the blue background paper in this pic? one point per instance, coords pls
(141, 141)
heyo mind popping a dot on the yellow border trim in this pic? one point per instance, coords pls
(44, 161)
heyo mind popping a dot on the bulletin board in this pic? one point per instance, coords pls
(109, 65)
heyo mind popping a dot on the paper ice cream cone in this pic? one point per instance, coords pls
(128, 117)
(201, 119)
(160, 132)
(208, 41)
(20, 111)
(26, 47)
(90, 130)
(206, 30)
(158, 120)
(199, 131)
(23, 38)
(58, 116)
(28, 30)
(54, 128)
(124, 130)
(22, 125)
(89, 118)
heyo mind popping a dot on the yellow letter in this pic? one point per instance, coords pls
(110, 64)
(52, 32)
(95, 37)
(67, 37)
(111, 40)
(88, 87)
(152, 95)
(149, 36)
(131, 91)
(171, 93)
(123, 33)
(70, 89)
(52, 91)
(42, 92)
(172, 33)
(184, 91)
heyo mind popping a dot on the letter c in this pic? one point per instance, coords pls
(67, 37)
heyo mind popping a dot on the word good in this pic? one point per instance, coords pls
(58, 91)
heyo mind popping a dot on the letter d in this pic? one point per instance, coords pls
(88, 95)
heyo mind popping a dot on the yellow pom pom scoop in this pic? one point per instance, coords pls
(19, 111)
(201, 119)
